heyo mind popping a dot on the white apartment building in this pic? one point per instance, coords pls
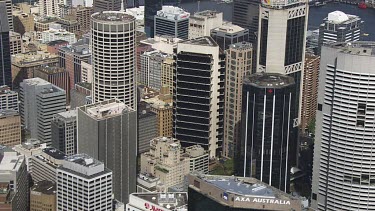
(58, 34)
(83, 183)
(201, 23)
(86, 72)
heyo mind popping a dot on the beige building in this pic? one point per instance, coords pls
(201, 23)
(42, 24)
(238, 64)
(43, 196)
(198, 159)
(15, 43)
(309, 90)
(162, 106)
(165, 162)
(23, 65)
(23, 20)
(167, 74)
(83, 15)
(10, 128)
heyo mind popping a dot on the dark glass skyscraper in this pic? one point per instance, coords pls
(246, 15)
(151, 8)
(5, 63)
(268, 110)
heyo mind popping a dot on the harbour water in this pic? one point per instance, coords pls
(316, 15)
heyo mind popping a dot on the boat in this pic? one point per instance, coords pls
(365, 34)
(362, 5)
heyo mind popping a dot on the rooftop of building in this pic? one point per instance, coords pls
(161, 39)
(84, 160)
(243, 186)
(202, 41)
(268, 80)
(36, 82)
(206, 13)
(6, 90)
(361, 48)
(241, 45)
(31, 144)
(79, 48)
(113, 16)
(8, 113)
(9, 160)
(194, 151)
(46, 19)
(53, 152)
(144, 110)
(228, 27)
(33, 58)
(57, 42)
(68, 115)
(172, 13)
(84, 85)
(50, 69)
(84, 165)
(157, 103)
(105, 109)
(168, 200)
(339, 17)
(44, 187)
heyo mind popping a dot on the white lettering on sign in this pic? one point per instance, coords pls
(262, 200)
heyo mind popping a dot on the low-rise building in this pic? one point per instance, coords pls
(198, 158)
(169, 201)
(163, 43)
(54, 46)
(201, 23)
(29, 148)
(10, 128)
(43, 196)
(15, 43)
(237, 193)
(43, 165)
(43, 23)
(86, 71)
(8, 99)
(58, 34)
(22, 21)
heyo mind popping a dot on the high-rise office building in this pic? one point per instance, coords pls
(83, 183)
(40, 101)
(229, 193)
(107, 131)
(14, 181)
(246, 15)
(282, 42)
(229, 34)
(167, 74)
(43, 196)
(150, 74)
(50, 8)
(309, 91)
(147, 127)
(8, 99)
(343, 161)
(5, 62)
(198, 98)
(340, 27)
(104, 5)
(151, 9)
(10, 128)
(8, 4)
(201, 23)
(267, 131)
(238, 65)
(64, 132)
(71, 58)
(172, 21)
(113, 62)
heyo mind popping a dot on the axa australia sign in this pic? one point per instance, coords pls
(261, 200)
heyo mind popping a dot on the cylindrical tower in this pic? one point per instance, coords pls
(344, 150)
(267, 128)
(113, 57)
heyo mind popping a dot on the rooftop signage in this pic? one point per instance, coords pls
(262, 200)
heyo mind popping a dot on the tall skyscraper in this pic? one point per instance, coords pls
(246, 15)
(267, 129)
(107, 131)
(8, 5)
(113, 62)
(64, 132)
(343, 160)
(151, 8)
(83, 183)
(282, 41)
(172, 21)
(40, 101)
(5, 62)
(198, 98)
(340, 27)
(229, 34)
(309, 90)
(238, 65)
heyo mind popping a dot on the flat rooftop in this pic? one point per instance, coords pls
(268, 80)
(44, 187)
(113, 16)
(228, 27)
(68, 114)
(10, 161)
(361, 48)
(6, 90)
(106, 110)
(203, 41)
(84, 160)
(242, 45)
(206, 13)
(36, 82)
(54, 153)
(8, 113)
(169, 200)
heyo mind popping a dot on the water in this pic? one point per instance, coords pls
(316, 15)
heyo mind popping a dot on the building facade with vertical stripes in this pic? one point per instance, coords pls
(267, 129)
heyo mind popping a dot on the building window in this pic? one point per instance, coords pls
(320, 107)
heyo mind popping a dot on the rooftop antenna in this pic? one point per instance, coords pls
(198, 5)
(122, 6)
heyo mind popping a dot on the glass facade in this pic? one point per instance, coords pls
(294, 40)
(5, 63)
(267, 130)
